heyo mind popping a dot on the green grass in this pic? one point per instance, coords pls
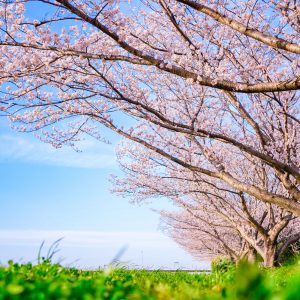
(52, 281)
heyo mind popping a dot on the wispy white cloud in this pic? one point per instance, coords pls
(23, 148)
(86, 239)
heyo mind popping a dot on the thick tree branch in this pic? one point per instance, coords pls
(269, 40)
(241, 87)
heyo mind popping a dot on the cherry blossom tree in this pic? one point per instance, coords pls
(208, 85)
(213, 219)
(207, 237)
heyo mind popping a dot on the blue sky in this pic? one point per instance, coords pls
(48, 193)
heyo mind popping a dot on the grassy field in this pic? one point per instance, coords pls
(52, 281)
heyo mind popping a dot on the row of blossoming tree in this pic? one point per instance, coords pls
(211, 89)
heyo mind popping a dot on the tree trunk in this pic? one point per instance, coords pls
(269, 257)
(251, 257)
